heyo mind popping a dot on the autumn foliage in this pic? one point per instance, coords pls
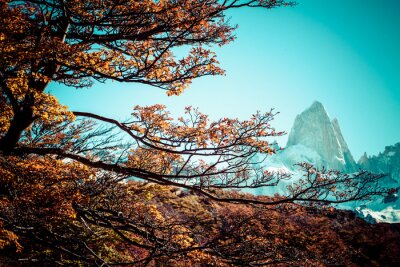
(136, 224)
(81, 189)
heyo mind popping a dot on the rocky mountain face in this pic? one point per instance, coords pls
(386, 162)
(350, 164)
(314, 131)
(316, 139)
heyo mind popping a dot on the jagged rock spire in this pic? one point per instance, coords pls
(314, 129)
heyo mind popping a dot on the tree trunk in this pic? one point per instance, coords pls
(22, 120)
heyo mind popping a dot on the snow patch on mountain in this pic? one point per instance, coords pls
(388, 215)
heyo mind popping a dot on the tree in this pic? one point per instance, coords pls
(64, 175)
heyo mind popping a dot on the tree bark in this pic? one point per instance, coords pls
(23, 118)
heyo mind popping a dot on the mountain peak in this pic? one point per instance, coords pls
(313, 129)
(317, 111)
(311, 120)
(316, 105)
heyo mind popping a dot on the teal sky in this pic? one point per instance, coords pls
(344, 54)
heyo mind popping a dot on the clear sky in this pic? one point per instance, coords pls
(343, 53)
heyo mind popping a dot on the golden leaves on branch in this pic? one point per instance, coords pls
(76, 43)
(194, 150)
(6, 114)
(154, 124)
(8, 238)
(41, 188)
(50, 111)
(153, 160)
(129, 41)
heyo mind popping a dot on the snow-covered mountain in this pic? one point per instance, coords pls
(387, 162)
(317, 139)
